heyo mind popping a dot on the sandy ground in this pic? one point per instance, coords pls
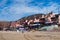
(29, 35)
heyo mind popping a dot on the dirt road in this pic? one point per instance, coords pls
(29, 35)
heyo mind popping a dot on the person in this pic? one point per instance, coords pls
(25, 24)
(29, 24)
(37, 24)
(59, 22)
(42, 22)
(17, 27)
(58, 19)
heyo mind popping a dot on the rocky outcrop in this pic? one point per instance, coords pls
(20, 21)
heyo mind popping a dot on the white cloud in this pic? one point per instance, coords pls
(19, 7)
(53, 7)
(22, 7)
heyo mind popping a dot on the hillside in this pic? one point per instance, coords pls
(12, 23)
(30, 17)
(20, 21)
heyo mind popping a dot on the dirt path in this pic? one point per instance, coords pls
(30, 36)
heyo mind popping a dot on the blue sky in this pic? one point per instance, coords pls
(11, 10)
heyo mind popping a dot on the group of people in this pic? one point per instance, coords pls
(45, 22)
